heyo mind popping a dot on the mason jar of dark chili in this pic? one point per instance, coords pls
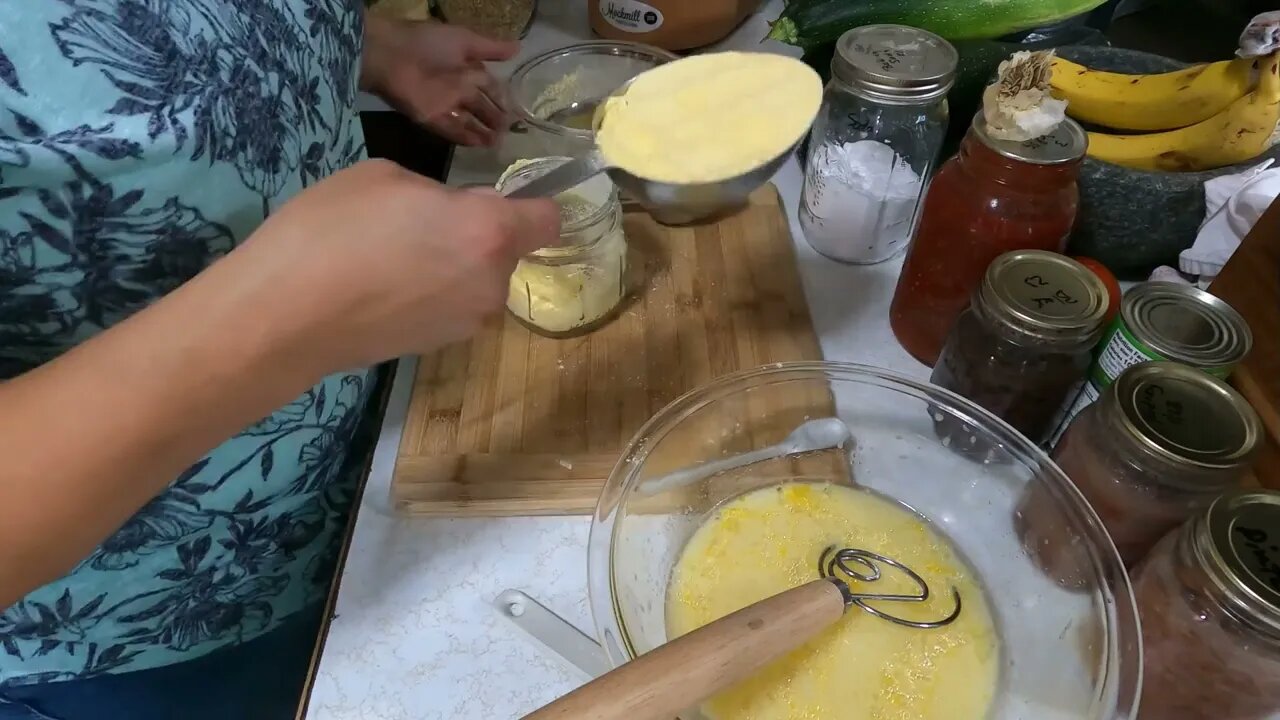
(1023, 346)
(995, 196)
(1209, 601)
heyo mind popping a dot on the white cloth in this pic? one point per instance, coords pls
(1261, 36)
(1233, 203)
(1164, 273)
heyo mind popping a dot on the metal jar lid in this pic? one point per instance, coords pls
(1187, 324)
(1066, 144)
(1238, 541)
(1046, 296)
(895, 63)
(1185, 416)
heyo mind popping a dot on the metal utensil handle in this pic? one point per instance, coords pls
(673, 677)
(561, 178)
(558, 636)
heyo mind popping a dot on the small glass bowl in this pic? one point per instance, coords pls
(1066, 653)
(555, 94)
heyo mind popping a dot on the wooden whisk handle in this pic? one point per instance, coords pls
(678, 675)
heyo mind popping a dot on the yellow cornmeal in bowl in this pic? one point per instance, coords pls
(709, 117)
(864, 667)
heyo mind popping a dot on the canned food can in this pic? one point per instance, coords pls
(1165, 321)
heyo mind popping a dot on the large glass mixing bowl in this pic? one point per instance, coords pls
(1068, 649)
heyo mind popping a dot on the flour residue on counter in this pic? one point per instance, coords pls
(769, 540)
(709, 117)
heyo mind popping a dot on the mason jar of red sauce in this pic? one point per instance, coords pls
(993, 197)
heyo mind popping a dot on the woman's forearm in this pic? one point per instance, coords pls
(89, 438)
(372, 263)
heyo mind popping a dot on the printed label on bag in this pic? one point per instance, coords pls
(631, 16)
(1089, 394)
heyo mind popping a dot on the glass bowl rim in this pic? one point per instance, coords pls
(617, 48)
(1118, 595)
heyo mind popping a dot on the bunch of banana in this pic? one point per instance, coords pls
(1213, 115)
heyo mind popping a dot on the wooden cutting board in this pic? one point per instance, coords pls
(513, 423)
(1250, 283)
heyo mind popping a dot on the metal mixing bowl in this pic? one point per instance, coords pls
(556, 95)
(668, 203)
(681, 204)
(1067, 651)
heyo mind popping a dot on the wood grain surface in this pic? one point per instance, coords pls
(512, 423)
(680, 674)
(1250, 283)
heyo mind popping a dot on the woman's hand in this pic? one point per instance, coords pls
(376, 262)
(435, 74)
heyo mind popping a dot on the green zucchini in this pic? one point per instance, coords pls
(812, 23)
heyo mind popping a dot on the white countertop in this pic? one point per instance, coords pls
(415, 634)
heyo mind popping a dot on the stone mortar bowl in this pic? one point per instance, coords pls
(1133, 220)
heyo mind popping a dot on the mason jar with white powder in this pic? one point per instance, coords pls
(875, 140)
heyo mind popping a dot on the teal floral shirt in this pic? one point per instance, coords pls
(140, 140)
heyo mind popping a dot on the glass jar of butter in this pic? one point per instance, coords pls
(578, 286)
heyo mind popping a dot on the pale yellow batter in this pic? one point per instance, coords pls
(709, 117)
(863, 668)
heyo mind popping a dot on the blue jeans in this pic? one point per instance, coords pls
(261, 679)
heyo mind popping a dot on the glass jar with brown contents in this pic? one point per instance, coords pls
(501, 19)
(1209, 602)
(1160, 444)
(1024, 343)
